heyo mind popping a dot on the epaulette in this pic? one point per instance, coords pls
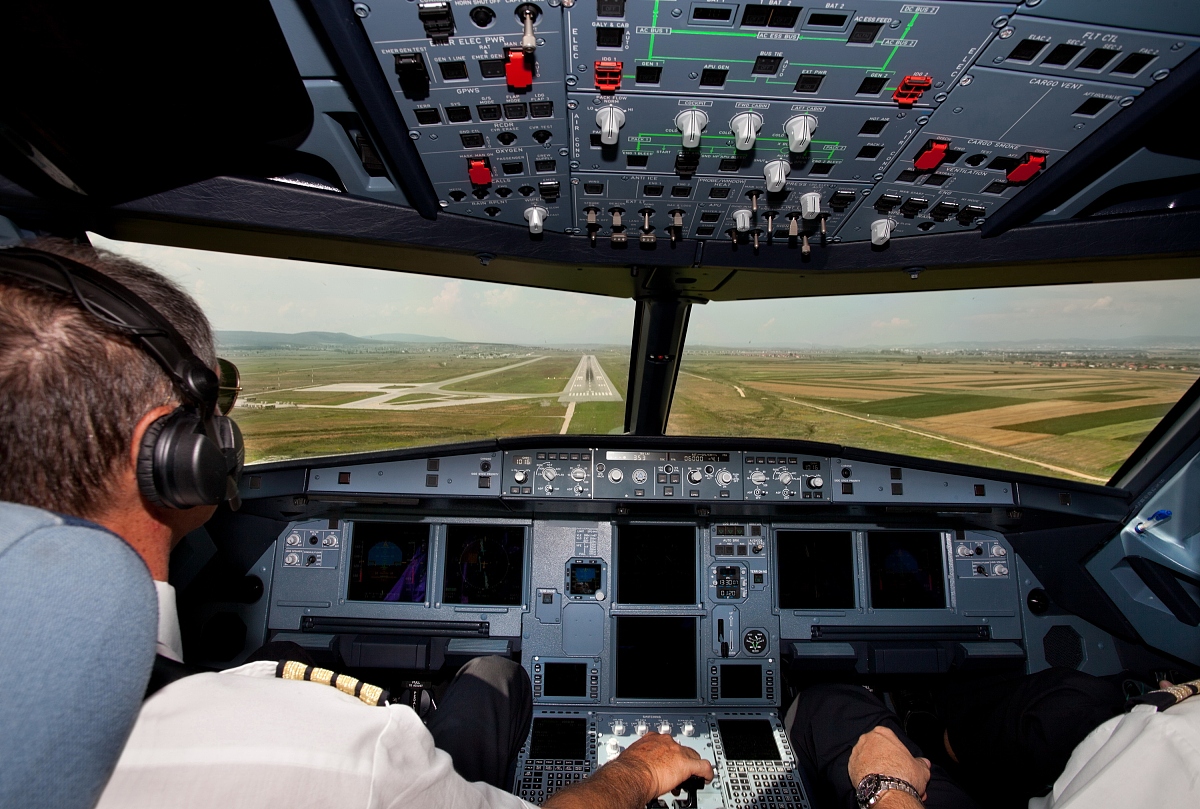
(1164, 698)
(370, 694)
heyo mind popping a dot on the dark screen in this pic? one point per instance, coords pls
(656, 564)
(656, 657)
(565, 680)
(585, 578)
(484, 564)
(389, 561)
(748, 740)
(816, 570)
(906, 570)
(741, 682)
(558, 738)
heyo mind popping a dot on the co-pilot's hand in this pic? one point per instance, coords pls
(879, 751)
(668, 763)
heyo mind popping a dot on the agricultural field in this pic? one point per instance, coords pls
(1078, 419)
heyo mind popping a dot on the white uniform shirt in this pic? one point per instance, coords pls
(243, 738)
(1144, 758)
(170, 644)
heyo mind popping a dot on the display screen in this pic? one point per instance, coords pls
(741, 682)
(906, 570)
(656, 657)
(656, 564)
(701, 457)
(389, 561)
(816, 570)
(748, 740)
(565, 680)
(485, 564)
(558, 738)
(585, 578)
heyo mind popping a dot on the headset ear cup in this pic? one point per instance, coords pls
(145, 460)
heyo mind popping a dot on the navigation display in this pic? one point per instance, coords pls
(558, 738)
(816, 570)
(748, 740)
(906, 570)
(389, 561)
(485, 564)
(565, 680)
(656, 657)
(741, 681)
(656, 564)
(585, 578)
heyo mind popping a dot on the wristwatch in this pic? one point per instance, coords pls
(872, 787)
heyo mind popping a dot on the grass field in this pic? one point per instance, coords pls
(925, 405)
(1091, 421)
(547, 375)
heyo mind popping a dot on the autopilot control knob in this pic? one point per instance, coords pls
(618, 727)
(776, 173)
(810, 205)
(616, 475)
(640, 476)
(745, 126)
(816, 482)
(520, 476)
(691, 123)
(800, 130)
(664, 727)
(578, 474)
(549, 473)
(642, 728)
(536, 217)
(724, 477)
(689, 728)
(610, 119)
(742, 219)
(881, 231)
(758, 477)
(785, 478)
(695, 476)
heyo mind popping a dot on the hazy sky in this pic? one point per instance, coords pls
(263, 294)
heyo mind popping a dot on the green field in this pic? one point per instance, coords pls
(316, 397)
(932, 404)
(548, 375)
(1090, 421)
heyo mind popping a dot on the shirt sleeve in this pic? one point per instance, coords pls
(410, 771)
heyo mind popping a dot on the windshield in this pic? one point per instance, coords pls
(340, 359)
(1060, 381)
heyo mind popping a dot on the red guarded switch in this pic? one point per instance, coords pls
(518, 69)
(931, 156)
(910, 90)
(608, 75)
(1030, 165)
(479, 171)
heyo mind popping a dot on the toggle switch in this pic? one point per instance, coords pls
(881, 231)
(793, 225)
(745, 128)
(741, 219)
(610, 119)
(691, 123)
(536, 217)
(528, 14)
(810, 205)
(776, 173)
(800, 131)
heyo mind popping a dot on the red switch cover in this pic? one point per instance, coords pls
(608, 75)
(518, 69)
(479, 172)
(1029, 166)
(931, 156)
(910, 89)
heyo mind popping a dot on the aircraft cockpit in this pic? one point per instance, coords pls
(687, 354)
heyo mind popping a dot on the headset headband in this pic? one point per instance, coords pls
(120, 308)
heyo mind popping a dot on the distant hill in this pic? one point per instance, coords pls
(314, 339)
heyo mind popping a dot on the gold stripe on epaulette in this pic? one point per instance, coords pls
(370, 694)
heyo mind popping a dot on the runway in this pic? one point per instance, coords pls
(589, 383)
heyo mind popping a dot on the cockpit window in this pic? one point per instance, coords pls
(1059, 381)
(337, 359)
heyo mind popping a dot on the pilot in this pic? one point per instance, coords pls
(77, 396)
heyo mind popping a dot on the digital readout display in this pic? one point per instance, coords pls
(701, 457)
(614, 455)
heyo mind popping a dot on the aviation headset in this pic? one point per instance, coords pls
(192, 456)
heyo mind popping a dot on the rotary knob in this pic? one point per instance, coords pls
(758, 477)
(816, 482)
(664, 728)
(998, 550)
(800, 130)
(536, 217)
(520, 476)
(293, 539)
(691, 123)
(963, 550)
(610, 119)
(614, 748)
(642, 728)
(785, 478)
(618, 728)
(810, 205)
(616, 475)
(640, 476)
(742, 219)
(1001, 570)
(689, 728)
(695, 476)
(776, 173)
(549, 473)
(291, 559)
(578, 474)
(745, 128)
(724, 477)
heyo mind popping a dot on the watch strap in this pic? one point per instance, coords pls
(871, 788)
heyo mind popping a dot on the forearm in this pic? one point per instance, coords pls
(616, 785)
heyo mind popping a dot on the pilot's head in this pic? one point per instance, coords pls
(77, 396)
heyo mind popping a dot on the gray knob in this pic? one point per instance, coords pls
(616, 475)
(578, 473)
(724, 477)
(520, 476)
(695, 476)
(758, 477)
(549, 473)
(816, 482)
